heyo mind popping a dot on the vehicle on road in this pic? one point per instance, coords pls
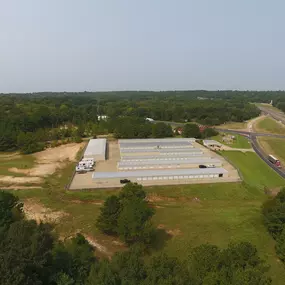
(274, 161)
(202, 166)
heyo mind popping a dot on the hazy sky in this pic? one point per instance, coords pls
(77, 45)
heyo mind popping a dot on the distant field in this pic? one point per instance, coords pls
(254, 170)
(234, 125)
(273, 146)
(268, 125)
(239, 142)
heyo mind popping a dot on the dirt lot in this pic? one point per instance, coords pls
(46, 163)
(85, 181)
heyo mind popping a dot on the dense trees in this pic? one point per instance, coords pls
(127, 216)
(30, 254)
(51, 116)
(191, 131)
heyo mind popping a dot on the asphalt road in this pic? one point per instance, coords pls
(263, 156)
(279, 116)
(253, 139)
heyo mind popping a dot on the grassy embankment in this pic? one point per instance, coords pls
(239, 142)
(192, 214)
(269, 125)
(273, 146)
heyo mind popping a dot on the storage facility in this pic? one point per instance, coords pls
(154, 164)
(96, 149)
(173, 174)
(160, 152)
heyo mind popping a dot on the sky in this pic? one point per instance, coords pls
(103, 45)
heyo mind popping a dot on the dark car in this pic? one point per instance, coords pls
(124, 181)
(202, 166)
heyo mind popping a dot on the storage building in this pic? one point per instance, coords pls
(211, 143)
(96, 149)
(180, 156)
(156, 145)
(156, 164)
(173, 174)
(156, 140)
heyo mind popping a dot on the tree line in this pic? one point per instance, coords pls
(42, 117)
(31, 253)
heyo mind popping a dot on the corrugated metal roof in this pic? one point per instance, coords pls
(194, 160)
(161, 151)
(96, 147)
(159, 173)
(207, 142)
(155, 145)
(162, 157)
(156, 140)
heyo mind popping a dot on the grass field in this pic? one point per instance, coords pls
(239, 142)
(268, 125)
(254, 170)
(273, 146)
(234, 126)
(191, 214)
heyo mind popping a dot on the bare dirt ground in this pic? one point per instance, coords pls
(19, 180)
(36, 211)
(47, 162)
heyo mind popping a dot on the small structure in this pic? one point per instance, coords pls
(96, 149)
(212, 144)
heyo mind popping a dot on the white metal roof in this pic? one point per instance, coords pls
(194, 160)
(155, 144)
(161, 151)
(96, 147)
(211, 142)
(157, 140)
(162, 157)
(151, 173)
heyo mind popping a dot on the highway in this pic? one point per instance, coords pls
(252, 136)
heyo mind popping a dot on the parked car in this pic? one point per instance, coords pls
(124, 181)
(202, 166)
(211, 166)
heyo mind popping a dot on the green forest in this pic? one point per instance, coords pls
(28, 120)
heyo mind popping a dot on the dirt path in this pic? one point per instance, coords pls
(251, 123)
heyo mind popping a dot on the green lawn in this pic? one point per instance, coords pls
(239, 142)
(254, 170)
(268, 125)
